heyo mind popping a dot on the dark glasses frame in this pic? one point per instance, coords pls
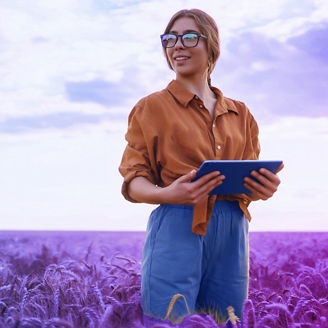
(199, 35)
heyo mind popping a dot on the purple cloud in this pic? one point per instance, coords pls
(104, 92)
(39, 39)
(277, 78)
(98, 91)
(55, 120)
(314, 43)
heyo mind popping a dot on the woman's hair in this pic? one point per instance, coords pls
(208, 27)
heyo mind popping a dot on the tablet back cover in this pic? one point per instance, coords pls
(234, 172)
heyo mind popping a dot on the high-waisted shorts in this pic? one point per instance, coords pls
(199, 273)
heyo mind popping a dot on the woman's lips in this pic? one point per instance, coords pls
(181, 60)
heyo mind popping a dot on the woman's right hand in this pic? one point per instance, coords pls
(184, 192)
(181, 191)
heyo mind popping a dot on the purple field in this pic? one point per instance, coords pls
(92, 279)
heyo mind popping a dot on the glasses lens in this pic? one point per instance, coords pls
(190, 39)
(169, 40)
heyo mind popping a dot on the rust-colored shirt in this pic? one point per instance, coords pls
(170, 132)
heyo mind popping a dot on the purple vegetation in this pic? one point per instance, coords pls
(92, 279)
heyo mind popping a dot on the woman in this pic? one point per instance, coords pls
(195, 257)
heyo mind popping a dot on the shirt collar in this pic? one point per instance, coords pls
(226, 104)
(180, 93)
(184, 96)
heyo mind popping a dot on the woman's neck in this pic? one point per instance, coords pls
(197, 86)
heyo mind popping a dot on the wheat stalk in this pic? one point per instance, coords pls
(172, 302)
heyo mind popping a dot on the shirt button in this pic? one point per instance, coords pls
(201, 106)
(196, 97)
(219, 147)
(213, 125)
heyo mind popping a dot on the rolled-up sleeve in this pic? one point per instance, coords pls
(252, 149)
(136, 160)
(255, 138)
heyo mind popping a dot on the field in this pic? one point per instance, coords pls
(92, 279)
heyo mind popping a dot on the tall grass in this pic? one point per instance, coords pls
(93, 280)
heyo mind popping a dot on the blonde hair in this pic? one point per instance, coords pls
(208, 27)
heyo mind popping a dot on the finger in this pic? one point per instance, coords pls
(256, 193)
(265, 176)
(206, 178)
(206, 188)
(271, 183)
(187, 177)
(280, 168)
(266, 189)
(247, 196)
(270, 173)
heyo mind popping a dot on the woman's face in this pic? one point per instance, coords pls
(188, 62)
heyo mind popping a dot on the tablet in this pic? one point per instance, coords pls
(234, 172)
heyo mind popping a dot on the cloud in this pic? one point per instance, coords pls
(99, 91)
(275, 78)
(314, 42)
(71, 56)
(39, 39)
(62, 120)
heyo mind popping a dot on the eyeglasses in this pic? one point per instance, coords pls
(188, 40)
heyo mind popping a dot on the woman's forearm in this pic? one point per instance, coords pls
(142, 190)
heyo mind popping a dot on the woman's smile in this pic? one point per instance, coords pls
(180, 59)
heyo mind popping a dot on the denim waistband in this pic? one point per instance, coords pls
(221, 203)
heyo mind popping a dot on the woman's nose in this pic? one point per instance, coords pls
(179, 43)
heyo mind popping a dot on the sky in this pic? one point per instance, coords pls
(71, 71)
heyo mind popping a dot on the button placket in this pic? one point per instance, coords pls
(218, 146)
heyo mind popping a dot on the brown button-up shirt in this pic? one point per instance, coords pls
(170, 132)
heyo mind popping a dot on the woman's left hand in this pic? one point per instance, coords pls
(269, 184)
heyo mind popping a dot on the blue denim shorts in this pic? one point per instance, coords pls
(185, 273)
